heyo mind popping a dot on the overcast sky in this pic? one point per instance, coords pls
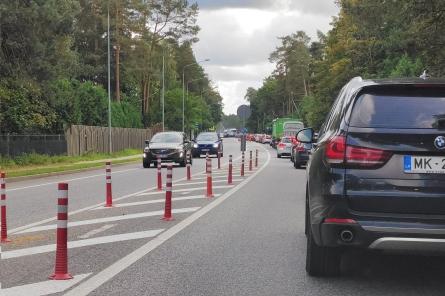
(238, 36)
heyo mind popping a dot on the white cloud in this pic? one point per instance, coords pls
(238, 41)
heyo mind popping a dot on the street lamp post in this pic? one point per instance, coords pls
(183, 90)
(109, 80)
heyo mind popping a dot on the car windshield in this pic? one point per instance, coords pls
(403, 112)
(166, 138)
(207, 137)
(285, 140)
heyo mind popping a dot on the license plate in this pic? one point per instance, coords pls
(424, 164)
(162, 155)
(205, 150)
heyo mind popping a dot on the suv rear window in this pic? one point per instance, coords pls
(391, 111)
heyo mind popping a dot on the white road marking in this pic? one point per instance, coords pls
(18, 229)
(109, 219)
(82, 243)
(96, 231)
(205, 177)
(184, 190)
(44, 221)
(204, 182)
(44, 288)
(185, 193)
(70, 180)
(105, 275)
(154, 201)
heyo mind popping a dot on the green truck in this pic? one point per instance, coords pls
(284, 127)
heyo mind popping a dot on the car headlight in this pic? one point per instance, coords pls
(215, 145)
(195, 145)
(144, 155)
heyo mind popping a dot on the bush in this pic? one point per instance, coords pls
(125, 114)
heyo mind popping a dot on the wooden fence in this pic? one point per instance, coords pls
(82, 139)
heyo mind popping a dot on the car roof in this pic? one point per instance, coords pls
(178, 133)
(359, 83)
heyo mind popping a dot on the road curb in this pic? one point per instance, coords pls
(55, 174)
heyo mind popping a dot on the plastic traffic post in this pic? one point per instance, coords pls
(256, 158)
(242, 164)
(189, 174)
(109, 196)
(61, 268)
(229, 180)
(168, 194)
(209, 177)
(4, 228)
(250, 160)
(219, 160)
(159, 164)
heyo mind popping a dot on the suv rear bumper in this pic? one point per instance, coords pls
(391, 236)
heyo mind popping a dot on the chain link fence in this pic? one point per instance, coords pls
(14, 145)
(77, 140)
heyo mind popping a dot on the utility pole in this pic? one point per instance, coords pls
(118, 52)
(109, 80)
(183, 90)
(163, 92)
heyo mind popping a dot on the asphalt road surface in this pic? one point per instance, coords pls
(248, 240)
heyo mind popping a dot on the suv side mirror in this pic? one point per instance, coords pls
(306, 135)
(147, 142)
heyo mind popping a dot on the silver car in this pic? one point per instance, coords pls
(284, 147)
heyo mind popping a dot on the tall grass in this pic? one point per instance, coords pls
(34, 159)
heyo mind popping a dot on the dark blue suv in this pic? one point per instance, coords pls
(207, 142)
(376, 176)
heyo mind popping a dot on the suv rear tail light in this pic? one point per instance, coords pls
(335, 150)
(366, 157)
(338, 153)
(300, 147)
(281, 145)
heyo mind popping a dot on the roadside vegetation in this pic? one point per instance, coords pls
(53, 65)
(33, 164)
(369, 38)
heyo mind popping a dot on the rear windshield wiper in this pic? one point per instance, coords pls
(439, 121)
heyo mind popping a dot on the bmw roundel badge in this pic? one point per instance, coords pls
(439, 142)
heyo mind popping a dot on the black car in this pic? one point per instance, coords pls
(376, 176)
(207, 142)
(169, 146)
(300, 154)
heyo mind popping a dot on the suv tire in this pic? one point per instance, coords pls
(146, 164)
(321, 261)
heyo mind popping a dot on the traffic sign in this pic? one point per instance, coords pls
(244, 112)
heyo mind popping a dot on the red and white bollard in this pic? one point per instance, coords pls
(159, 164)
(229, 180)
(109, 195)
(219, 160)
(209, 193)
(61, 268)
(242, 164)
(4, 228)
(256, 158)
(250, 160)
(168, 194)
(189, 173)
